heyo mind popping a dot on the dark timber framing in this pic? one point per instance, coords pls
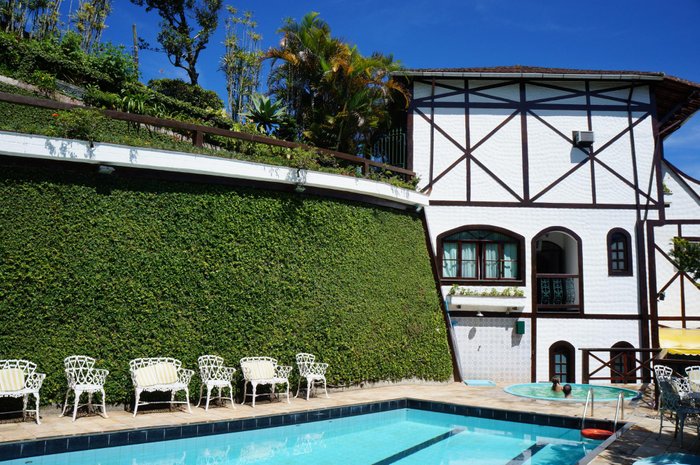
(642, 187)
(637, 113)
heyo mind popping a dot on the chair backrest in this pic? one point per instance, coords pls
(670, 399)
(258, 367)
(304, 361)
(209, 366)
(663, 372)
(78, 368)
(153, 371)
(693, 373)
(13, 374)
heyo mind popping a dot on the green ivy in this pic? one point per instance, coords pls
(119, 268)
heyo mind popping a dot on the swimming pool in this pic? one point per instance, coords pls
(401, 435)
(578, 392)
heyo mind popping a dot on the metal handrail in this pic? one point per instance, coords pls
(619, 410)
(590, 398)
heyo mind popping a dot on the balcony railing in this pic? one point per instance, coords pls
(558, 292)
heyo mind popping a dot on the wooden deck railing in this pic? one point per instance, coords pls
(197, 132)
(637, 364)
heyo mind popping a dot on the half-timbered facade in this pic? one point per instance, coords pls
(553, 181)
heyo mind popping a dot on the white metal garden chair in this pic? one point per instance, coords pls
(672, 401)
(215, 375)
(160, 374)
(312, 371)
(693, 374)
(18, 378)
(263, 370)
(84, 378)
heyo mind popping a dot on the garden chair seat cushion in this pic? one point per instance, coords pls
(11, 379)
(261, 369)
(157, 374)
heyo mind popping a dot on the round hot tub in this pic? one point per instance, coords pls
(544, 391)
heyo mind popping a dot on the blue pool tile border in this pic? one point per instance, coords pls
(25, 449)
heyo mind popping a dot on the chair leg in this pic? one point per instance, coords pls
(104, 403)
(255, 387)
(77, 401)
(273, 394)
(206, 409)
(287, 391)
(38, 417)
(325, 389)
(245, 391)
(90, 401)
(230, 391)
(220, 399)
(172, 399)
(136, 403)
(681, 417)
(187, 399)
(309, 385)
(25, 399)
(65, 403)
(201, 389)
(298, 388)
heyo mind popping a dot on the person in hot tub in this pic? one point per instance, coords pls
(556, 385)
(567, 390)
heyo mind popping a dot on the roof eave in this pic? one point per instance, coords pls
(593, 76)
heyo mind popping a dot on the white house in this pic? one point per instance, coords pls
(553, 181)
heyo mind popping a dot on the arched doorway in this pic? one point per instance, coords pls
(557, 271)
(562, 362)
(622, 363)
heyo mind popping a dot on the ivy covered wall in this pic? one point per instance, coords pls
(119, 268)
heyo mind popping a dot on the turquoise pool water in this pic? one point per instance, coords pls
(578, 392)
(403, 436)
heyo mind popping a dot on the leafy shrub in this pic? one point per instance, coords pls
(109, 67)
(78, 123)
(193, 94)
(44, 81)
(119, 268)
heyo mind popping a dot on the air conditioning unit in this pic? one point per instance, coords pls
(583, 138)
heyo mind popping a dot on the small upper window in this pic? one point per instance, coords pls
(619, 258)
(480, 255)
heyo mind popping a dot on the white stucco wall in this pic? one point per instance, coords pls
(602, 293)
(549, 155)
(581, 334)
(489, 348)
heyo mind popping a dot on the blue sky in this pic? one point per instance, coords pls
(644, 35)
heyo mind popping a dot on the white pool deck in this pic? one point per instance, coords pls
(640, 441)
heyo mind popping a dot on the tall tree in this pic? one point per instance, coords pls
(241, 61)
(177, 36)
(14, 15)
(90, 21)
(338, 97)
(45, 15)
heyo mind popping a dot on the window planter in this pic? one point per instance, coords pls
(488, 303)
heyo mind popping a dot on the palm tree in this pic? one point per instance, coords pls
(338, 97)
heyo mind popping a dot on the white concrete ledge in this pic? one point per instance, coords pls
(41, 147)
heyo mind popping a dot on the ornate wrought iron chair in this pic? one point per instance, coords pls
(263, 370)
(83, 377)
(671, 401)
(312, 371)
(18, 378)
(160, 374)
(215, 375)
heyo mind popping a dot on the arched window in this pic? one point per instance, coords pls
(562, 363)
(619, 256)
(623, 361)
(481, 254)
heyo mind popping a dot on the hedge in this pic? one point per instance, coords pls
(119, 268)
